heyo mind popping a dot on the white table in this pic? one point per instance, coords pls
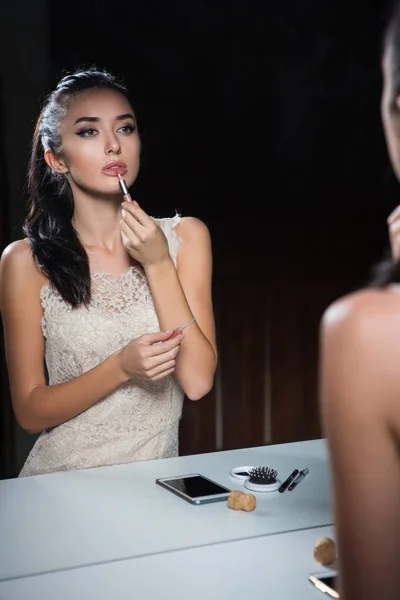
(81, 518)
(272, 567)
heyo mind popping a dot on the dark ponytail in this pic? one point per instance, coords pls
(56, 247)
(385, 273)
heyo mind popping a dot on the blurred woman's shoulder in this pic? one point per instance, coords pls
(366, 310)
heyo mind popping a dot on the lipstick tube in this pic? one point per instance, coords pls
(124, 189)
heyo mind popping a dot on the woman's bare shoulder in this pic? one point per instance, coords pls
(194, 234)
(360, 342)
(369, 309)
(19, 250)
(17, 262)
(192, 228)
(359, 350)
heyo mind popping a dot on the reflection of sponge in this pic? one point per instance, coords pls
(325, 551)
(240, 501)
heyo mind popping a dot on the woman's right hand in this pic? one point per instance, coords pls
(393, 222)
(150, 356)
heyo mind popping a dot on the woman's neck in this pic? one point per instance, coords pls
(98, 223)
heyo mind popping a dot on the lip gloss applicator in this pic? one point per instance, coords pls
(124, 189)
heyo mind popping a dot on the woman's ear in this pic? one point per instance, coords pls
(55, 162)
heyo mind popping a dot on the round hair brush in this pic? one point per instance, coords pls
(263, 479)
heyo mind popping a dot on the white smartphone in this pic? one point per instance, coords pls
(194, 488)
(326, 583)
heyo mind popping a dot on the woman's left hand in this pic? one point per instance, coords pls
(142, 237)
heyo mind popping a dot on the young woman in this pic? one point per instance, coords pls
(95, 291)
(360, 399)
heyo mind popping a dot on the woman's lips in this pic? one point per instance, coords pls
(115, 171)
(115, 168)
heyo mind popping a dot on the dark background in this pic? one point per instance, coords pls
(262, 119)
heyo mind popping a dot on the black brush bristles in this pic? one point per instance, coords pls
(263, 475)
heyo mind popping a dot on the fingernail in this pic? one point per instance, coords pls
(169, 331)
(123, 204)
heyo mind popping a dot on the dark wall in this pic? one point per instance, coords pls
(264, 121)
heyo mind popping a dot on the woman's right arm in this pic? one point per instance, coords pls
(36, 405)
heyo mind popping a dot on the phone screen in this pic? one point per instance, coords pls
(196, 486)
(330, 581)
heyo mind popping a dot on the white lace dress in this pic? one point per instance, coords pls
(140, 419)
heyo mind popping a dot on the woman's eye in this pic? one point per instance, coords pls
(127, 129)
(87, 132)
